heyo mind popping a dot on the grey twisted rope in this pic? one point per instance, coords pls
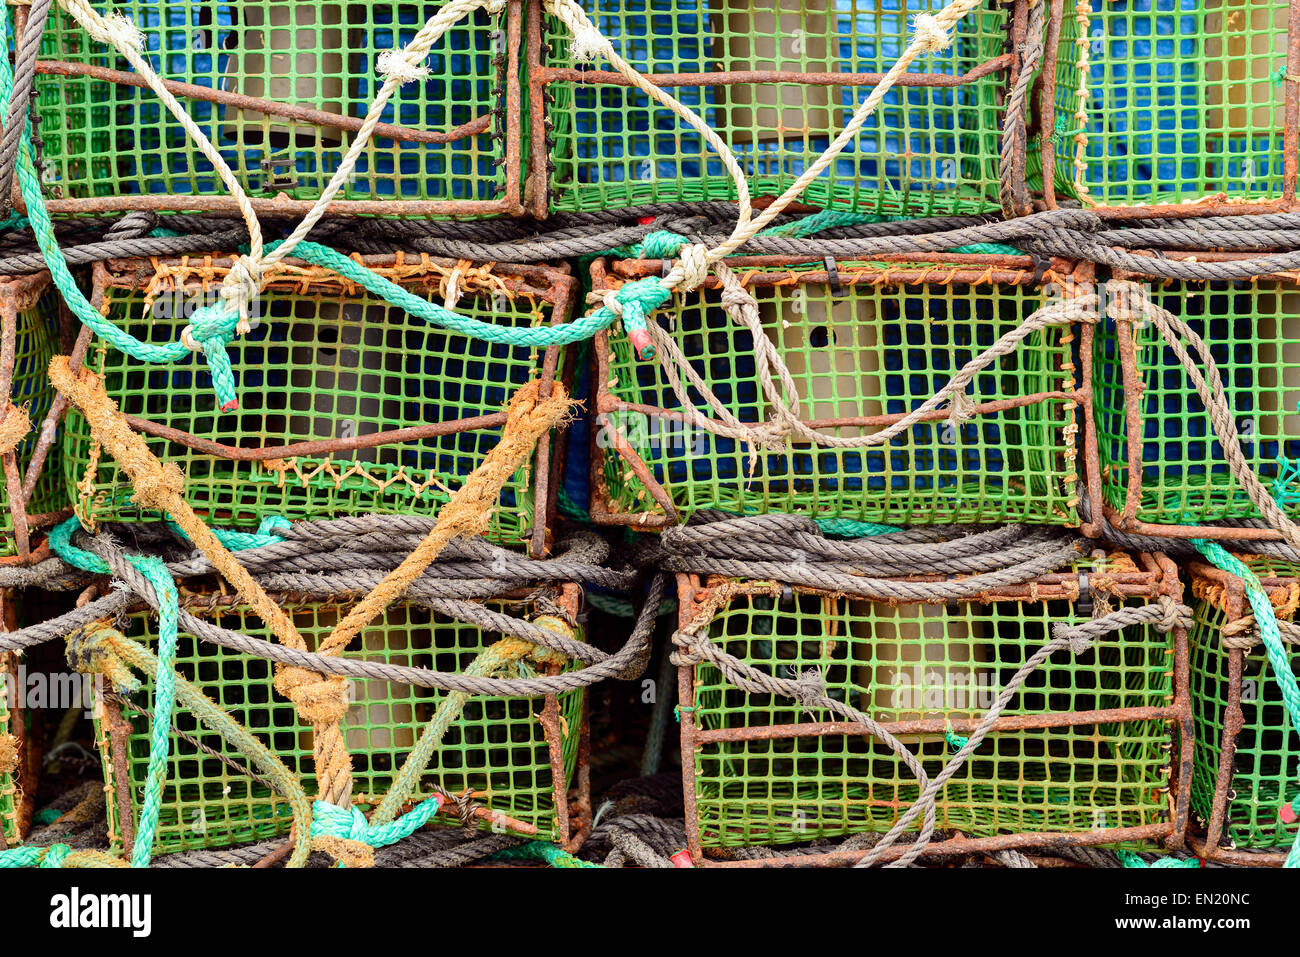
(24, 77)
(1015, 136)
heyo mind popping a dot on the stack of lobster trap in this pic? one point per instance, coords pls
(921, 392)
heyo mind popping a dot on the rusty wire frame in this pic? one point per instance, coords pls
(1207, 845)
(550, 284)
(18, 295)
(1158, 576)
(540, 75)
(952, 269)
(1215, 205)
(573, 808)
(508, 204)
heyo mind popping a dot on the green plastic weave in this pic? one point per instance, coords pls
(497, 746)
(1182, 100)
(9, 790)
(927, 150)
(1073, 778)
(1267, 761)
(34, 345)
(1254, 340)
(320, 365)
(885, 348)
(106, 139)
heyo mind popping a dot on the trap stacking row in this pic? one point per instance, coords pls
(1034, 105)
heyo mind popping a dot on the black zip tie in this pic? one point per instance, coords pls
(833, 276)
(1041, 265)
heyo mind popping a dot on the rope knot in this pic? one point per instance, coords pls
(400, 67)
(154, 488)
(320, 700)
(929, 33)
(960, 409)
(1078, 638)
(241, 288)
(695, 265)
(14, 427)
(587, 43)
(1173, 614)
(809, 689)
(90, 651)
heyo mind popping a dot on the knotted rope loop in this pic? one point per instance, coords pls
(929, 34)
(320, 700)
(401, 67)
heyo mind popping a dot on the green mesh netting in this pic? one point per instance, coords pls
(321, 364)
(881, 348)
(112, 140)
(1267, 762)
(913, 661)
(35, 341)
(929, 149)
(1182, 99)
(497, 747)
(1254, 339)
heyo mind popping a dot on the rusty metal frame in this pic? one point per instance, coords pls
(956, 268)
(1213, 205)
(550, 284)
(573, 807)
(1158, 576)
(1208, 845)
(540, 76)
(17, 295)
(1135, 425)
(508, 204)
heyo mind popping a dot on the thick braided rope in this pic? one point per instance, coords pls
(24, 76)
(1165, 615)
(1278, 659)
(1014, 133)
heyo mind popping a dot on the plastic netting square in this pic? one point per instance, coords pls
(1171, 101)
(497, 746)
(882, 348)
(1254, 339)
(35, 341)
(907, 662)
(323, 363)
(931, 147)
(107, 139)
(1266, 761)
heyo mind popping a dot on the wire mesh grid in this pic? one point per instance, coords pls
(1170, 102)
(451, 143)
(1085, 750)
(326, 380)
(28, 308)
(777, 82)
(861, 357)
(497, 747)
(1247, 754)
(1176, 474)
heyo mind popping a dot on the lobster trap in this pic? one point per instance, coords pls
(31, 495)
(348, 404)
(865, 344)
(280, 90)
(1247, 753)
(1093, 749)
(1169, 102)
(778, 82)
(1162, 468)
(520, 757)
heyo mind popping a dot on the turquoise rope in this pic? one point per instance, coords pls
(1130, 859)
(1266, 620)
(165, 676)
(32, 856)
(541, 851)
(330, 820)
(849, 528)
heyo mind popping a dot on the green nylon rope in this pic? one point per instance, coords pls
(541, 851)
(1266, 620)
(1130, 859)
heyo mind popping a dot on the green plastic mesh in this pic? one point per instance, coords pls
(497, 747)
(1183, 100)
(912, 661)
(1267, 762)
(319, 365)
(1254, 339)
(9, 790)
(928, 149)
(34, 346)
(104, 139)
(880, 349)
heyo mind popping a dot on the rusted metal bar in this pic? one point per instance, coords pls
(290, 111)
